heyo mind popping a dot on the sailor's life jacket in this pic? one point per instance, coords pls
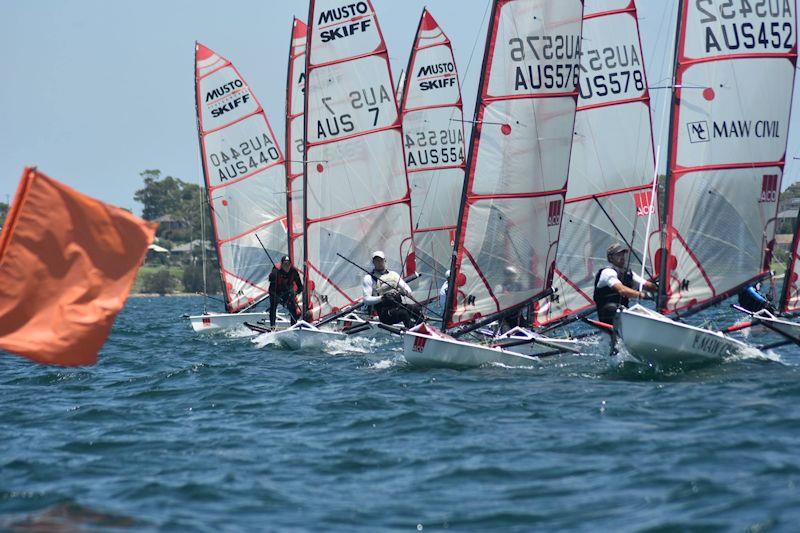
(387, 282)
(282, 283)
(604, 296)
(751, 299)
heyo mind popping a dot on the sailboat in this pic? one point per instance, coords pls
(356, 195)
(612, 167)
(727, 148)
(515, 181)
(789, 303)
(245, 182)
(433, 134)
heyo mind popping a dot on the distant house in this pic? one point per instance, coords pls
(187, 248)
(169, 222)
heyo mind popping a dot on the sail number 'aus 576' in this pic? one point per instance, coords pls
(551, 62)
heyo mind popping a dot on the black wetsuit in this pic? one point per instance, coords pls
(283, 286)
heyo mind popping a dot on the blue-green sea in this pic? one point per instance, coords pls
(174, 431)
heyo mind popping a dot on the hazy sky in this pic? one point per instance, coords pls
(95, 91)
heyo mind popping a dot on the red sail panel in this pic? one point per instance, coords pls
(435, 151)
(735, 66)
(245, 178)
(790, 296)
(519, 159)
(295, 148)
(612, 164)
(357, 197)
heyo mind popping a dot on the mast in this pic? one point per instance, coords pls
(663, 251)
(202, 194)
(612, 163)
(245, 179)
(357, 196)
(452, 290)
(295, 82)
(729, 128)
(433, 132)
(518, 165)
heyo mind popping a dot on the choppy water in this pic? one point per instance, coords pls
(173, 431)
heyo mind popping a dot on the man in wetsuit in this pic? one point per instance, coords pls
(284, 284)
(615, 284)
(751, 299)
(384, 289)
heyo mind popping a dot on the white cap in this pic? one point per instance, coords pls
(378, 253)
(447, 274)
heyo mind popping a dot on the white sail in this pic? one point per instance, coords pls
(357, 196)
(735, 69)
(295, 148)
(519, 159)
(612, 165)
(435, 151)
(245, 178)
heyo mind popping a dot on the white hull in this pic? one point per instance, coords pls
(217, 322)
(428, 347)
(539, 345)
(361, 326)
(301, 336)
(653, 338)
(787, 327)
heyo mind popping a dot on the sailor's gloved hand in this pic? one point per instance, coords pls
(391, 296)
(648, 296)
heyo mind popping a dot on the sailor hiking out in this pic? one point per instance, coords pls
(384, 290)
(751, 299)
(284, 285)
(615, 284)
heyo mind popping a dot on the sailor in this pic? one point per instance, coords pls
(384, 290)
(512, 282)
(443, 292)
(614, 284)
(284, 284)
(751, 299)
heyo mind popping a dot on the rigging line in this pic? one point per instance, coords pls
(619, 232)
(475, 43)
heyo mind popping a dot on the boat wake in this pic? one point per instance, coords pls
(353, 345)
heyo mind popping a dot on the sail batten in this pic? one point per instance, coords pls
(612, 164)
(728, 136)
(517, 167)
(244, 175)
(356, 193)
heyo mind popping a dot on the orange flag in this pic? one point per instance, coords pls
(67, 264)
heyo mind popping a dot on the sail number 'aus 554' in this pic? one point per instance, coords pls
(434, 148)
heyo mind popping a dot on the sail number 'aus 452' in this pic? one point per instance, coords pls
(736, 26)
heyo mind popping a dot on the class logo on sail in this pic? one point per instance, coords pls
(227, 97)
(347, 20)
